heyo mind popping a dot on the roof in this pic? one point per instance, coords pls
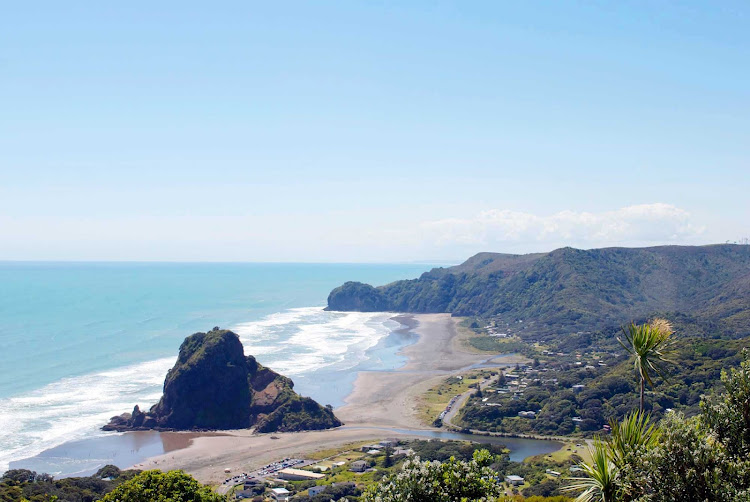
(280, 491)
(513, 477)
(300, 472)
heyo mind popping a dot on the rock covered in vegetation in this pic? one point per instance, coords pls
(357, 296)
(214, 386)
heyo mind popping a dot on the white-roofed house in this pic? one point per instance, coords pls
(280, 494)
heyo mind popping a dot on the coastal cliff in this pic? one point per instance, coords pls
(214, 386)
(571, 290)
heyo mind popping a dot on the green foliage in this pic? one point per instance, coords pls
(571, 290)
(108, 471)
(157, 486)
(357, 296)
(687, 459)
(298, 414)
(631, 437)
(502, 346)
(610, 392)
(685, 465)
(460, 450)
(341, 491)
(648, 345)
(729, 416)
(24, 485)
(540, 498)
(214, 386)
(600, 483)
(449, 481)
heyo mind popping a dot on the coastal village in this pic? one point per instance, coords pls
(346, 472)
(297, 479)
(343, 473)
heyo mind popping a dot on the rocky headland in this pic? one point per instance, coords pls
(214, 386)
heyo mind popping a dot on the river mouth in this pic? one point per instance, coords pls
(86, 456)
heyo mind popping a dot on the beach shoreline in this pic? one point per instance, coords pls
(381, 404)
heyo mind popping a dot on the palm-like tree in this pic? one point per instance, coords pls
(632, 435)
(600, 483)
(649, 345)
(604, 480)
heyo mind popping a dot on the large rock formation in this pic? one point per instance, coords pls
(213, 385)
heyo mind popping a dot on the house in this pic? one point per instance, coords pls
(314, 490)
(253, 483)
(358, 466)
(290, 474)
(514, 480)
(578, 388)
(374, 452)
(350, 484)
(252, 488)
(280, 494)
(369, 447)
(553, 473)
(389, 443)
(527, 414)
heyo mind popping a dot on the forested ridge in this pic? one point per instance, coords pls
(571, 290)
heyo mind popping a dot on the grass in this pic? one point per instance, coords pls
(565, 453)
(347, 456)
(466, 335)
(437, 398)
(497, 345)
(340, 451)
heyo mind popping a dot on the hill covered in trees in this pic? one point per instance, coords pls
(213, 385)
(571, 290)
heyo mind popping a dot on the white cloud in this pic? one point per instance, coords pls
(630, 225)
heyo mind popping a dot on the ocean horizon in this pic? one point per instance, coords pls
(83, 341)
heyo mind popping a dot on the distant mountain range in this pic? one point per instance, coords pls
(569, 290)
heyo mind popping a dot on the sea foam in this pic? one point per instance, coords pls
(73, 408)
(304, 339)
(295, 342)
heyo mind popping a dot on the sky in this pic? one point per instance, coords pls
(370, 131)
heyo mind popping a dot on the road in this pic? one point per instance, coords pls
(448, 421)
(448, 418)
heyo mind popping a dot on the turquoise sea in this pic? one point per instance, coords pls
(80, 342)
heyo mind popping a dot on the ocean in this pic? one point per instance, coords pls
(81, 342)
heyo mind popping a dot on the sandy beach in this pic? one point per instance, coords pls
(380, 401)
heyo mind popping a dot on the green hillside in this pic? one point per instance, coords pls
(571, 290)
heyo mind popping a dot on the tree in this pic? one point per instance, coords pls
(600, 483)
(649, 345)
(729, 416)
(686, 465)
(631, 436)
(629, 442)
(449, 481)
(388, 459)
(157, 486)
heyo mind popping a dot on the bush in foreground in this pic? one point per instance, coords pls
(449, 481)
(157, 486)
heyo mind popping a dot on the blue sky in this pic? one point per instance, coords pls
(369, 131)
